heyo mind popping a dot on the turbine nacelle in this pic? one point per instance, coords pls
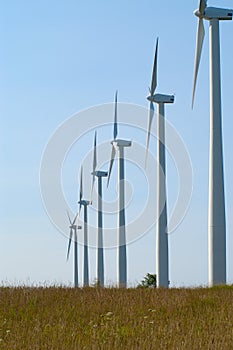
(160, 98)
(83, 202)
(121, 143)
(74, 227)
(215, 13)
(100, 173)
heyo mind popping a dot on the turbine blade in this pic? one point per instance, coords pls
(69, 217)
(199, 45)
(154, 74)
(69, 244)
(113, 154)
(115, 131)
(73, 223)
(150, 119)
(202, 7)
(80, 189)
(79, 210)
(95, 155)
(94, 167)
(81, 185)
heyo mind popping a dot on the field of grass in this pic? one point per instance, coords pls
(95, 318)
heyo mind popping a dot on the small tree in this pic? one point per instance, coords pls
(149, 281)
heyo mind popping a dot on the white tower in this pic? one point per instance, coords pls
(84, 203)
(119, 145)
(162, 257)
(100, 249)
(217, 221)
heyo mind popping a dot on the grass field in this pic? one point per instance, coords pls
(95, 318)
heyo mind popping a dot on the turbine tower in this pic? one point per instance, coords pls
(217, 220)
(84, 203)
(100, 255)
(73, 229)
(162, 261)
(119, 145)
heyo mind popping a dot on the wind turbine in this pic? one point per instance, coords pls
(100, 256)
(119, 145)
(73, 230)
(217, 220)
(84, 203)
(161, 229)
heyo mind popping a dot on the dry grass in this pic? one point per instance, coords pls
(95, 318)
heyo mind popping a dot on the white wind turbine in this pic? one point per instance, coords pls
(73, 231)
(118, 144)
(217, 221)
(84, 203)
(162, 263)
(100, 255)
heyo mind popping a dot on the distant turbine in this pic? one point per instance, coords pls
(73, 230)
(100, 256)
(217, 220)
(84, 203)
(119, 145)
(162, 264)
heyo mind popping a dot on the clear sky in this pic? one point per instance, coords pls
(61, 57)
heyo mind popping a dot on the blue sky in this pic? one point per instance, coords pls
(59, 58)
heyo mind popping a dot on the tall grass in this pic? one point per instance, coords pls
(96, 318)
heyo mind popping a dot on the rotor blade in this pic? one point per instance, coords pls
(80, 189)
(202, 7)
(79, 215)
(150, 119)
(154, 74)
(95, 155)
(69, 244)
(94, 167)
(73, 223)
(200, 39)
(81, 185)
(79, 212)
(92, 187)
(113, 154)
(115, 131)
(69, 217)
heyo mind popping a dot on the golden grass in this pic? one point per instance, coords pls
(95, 318)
